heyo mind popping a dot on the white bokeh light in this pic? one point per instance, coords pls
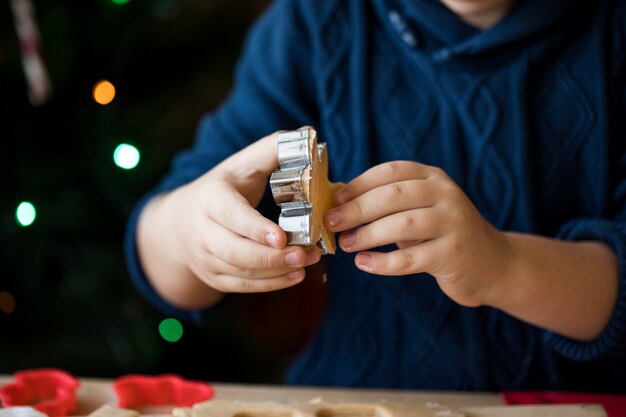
(25, 214)
(126, 156)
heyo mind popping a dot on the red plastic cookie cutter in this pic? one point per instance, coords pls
(144, 390)
(51, 391)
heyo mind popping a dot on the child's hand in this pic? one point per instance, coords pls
(436, 227)
(223, 239)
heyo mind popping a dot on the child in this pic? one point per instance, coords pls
(482, 146)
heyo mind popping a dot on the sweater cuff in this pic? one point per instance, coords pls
(614, 334)
(138, 277)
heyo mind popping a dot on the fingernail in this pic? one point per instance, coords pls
(293, 259)
(272, 239)
(363, 261)
(347, 240)
(311, 256)
(334, 217)
(294, 275)
(342, 196)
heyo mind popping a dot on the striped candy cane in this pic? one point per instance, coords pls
(39, 88)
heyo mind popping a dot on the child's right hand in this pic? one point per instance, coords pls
(218, 235)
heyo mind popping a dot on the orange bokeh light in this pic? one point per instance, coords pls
(7, 302)
(103, 92)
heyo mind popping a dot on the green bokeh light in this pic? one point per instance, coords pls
(25, 214)
(126, 156)
(171, 330)
(120, 2)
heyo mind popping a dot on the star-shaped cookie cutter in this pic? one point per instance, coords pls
(302, 190)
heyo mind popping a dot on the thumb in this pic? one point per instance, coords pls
(261, 156)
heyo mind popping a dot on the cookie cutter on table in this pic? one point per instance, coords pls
(144, 390)
(51, 391)
(289, 185)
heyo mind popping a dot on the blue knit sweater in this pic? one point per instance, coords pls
(528, 117)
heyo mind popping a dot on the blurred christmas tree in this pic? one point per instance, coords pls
(65, 297)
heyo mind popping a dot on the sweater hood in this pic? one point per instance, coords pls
(431, 26)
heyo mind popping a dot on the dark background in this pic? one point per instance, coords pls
(75, 308)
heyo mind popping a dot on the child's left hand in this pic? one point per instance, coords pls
(434, 224)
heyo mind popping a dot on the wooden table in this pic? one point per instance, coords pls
(95, 392)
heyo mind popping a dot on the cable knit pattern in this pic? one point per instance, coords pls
(527, 117)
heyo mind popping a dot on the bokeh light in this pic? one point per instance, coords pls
(25, 214)
(120, 2)
(126, 156)
(103, 92)
(171, 330)
(7, 302)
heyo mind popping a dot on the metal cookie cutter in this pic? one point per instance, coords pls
(302, 190)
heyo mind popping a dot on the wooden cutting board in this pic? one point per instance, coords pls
(233, 400)
(320, 407)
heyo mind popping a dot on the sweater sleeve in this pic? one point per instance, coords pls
(612, 229)
(274, 90)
